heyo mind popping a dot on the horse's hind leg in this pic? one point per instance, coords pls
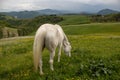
(51, 60)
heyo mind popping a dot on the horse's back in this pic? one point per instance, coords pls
(50, 32)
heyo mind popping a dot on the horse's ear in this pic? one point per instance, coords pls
(64, 43)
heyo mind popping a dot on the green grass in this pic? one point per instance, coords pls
(93, 28)
(95, 55)
(74, 19)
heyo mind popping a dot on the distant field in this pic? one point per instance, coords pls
(95, 55)
(93, 28)
(74, 19)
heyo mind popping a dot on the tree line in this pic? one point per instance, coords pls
(33, 24)
(26, 26)
(106, 18)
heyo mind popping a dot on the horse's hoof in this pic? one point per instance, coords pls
(41, 73)
(52, 69)
(58, 60)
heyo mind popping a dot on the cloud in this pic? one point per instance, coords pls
(73, 5)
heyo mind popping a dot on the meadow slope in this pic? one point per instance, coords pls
(95, 55)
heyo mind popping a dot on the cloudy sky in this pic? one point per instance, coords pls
(70, 5)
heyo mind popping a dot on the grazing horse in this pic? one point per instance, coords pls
(49, 36)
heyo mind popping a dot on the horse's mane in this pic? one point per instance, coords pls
(65, 37)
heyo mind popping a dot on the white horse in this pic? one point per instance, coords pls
(49, 36)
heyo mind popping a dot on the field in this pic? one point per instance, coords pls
(74, 19)
(95, 55)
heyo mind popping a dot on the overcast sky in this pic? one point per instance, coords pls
(70, 5)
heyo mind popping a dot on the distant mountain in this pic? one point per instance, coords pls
(107, 11)
(22, 14)
(49, 11)
(31, 14)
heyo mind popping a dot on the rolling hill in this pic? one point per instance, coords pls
(107, 11)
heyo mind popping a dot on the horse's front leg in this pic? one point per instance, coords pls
(51, 60)
(59, 52)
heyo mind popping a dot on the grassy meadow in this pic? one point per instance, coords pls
(95, 55)
(74, 19)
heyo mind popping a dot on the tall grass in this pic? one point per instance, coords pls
(92, 58)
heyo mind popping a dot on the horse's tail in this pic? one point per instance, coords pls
(37, 50)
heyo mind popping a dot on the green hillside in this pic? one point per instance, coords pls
(29, 26)
(26, 26)
(93, 28)
(74, 19)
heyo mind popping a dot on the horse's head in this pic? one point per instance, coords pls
(67, 48)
